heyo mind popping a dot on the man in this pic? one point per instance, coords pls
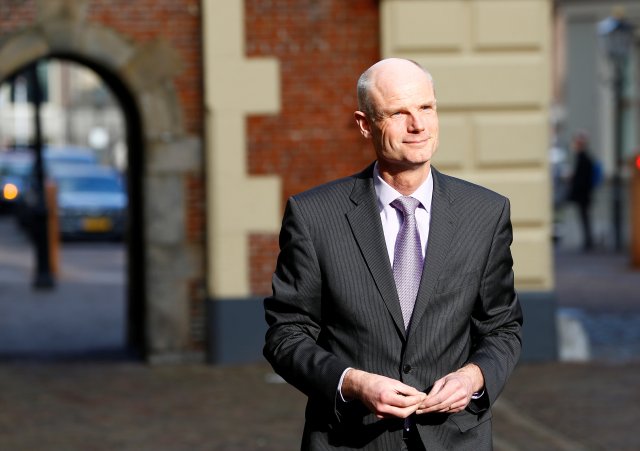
(383, 371)
(581, 185)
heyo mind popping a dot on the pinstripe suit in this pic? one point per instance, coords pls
(335, 305)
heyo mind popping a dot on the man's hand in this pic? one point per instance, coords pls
(452, 393)
(384, 396)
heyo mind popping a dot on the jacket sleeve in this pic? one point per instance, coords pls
(497, 316)
(293, 314)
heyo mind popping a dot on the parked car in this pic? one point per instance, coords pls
(55, 160)
(92, 202)
(68, 155)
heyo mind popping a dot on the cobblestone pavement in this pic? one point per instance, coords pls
(85, 311)
(130, 406)
(601, 292)
(115, 404)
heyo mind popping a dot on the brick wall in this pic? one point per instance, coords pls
(15, 14)
(322, 48)
(177, 21)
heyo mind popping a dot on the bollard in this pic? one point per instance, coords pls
(635, 211)
(51, 193)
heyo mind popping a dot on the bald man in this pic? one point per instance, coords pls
(393, 305)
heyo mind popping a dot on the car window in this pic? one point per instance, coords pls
(89, 184)
(21, 169)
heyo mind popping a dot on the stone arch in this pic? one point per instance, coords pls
(162, 266)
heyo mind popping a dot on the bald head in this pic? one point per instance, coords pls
(390, 70)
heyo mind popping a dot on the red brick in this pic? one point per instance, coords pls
(322, 48)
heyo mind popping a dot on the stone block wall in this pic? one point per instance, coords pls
(490, 61)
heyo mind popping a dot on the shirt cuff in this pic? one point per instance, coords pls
(476, 395)
(340, 385)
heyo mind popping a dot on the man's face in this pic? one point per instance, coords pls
(579, 143)
(404, 129)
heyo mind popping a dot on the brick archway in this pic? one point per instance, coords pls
(164, 268)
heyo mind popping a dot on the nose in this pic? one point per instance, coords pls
(416, 123)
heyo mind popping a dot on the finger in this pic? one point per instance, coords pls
(437, 386)
(445, 407)
(442, 402)
(440, 407)
(456, 401)
(397, 412)
(411, 401)
(398, 405)
(407, 390)
(395, 404)
(402, 401)
(438, 400)
(460, 405)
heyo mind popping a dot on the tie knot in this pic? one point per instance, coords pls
(406, 204)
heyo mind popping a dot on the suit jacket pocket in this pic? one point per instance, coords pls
(454, 282)
(466, 420)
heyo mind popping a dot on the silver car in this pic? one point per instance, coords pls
(92, 202)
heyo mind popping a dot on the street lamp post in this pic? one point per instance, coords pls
(617, 36)
(43, 277)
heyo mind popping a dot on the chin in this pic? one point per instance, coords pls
(416, 164)
(424, 157)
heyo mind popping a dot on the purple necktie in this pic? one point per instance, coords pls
(407, 260)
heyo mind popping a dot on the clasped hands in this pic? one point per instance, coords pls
(388, 397)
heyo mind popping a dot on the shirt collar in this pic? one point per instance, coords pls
(386, 194)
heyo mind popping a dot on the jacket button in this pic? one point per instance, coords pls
(406, 369)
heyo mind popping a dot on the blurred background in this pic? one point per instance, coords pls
(147, 149)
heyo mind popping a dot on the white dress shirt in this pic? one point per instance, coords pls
(392, 218)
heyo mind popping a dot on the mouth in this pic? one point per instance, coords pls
(416, 141)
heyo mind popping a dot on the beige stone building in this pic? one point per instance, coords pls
(491, 60)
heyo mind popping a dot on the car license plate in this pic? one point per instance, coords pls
(96, 224)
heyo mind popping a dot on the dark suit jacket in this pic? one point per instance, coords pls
(335, 305)
(581, 183)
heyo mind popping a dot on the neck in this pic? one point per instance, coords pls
(405, 181)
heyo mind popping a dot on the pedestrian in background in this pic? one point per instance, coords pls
(393, 305)
(581, 184)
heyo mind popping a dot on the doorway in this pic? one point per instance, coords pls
(94, 308)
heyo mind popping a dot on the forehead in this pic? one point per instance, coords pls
(395, 88)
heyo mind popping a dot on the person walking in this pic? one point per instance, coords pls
(581, 186)
(393, 305)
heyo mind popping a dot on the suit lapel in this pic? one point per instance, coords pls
(365, 223)
(441, 230)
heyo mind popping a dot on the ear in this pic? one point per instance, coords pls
(363, 124)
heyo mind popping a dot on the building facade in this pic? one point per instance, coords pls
(583, 82)
(299, 62)
(231, 107)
